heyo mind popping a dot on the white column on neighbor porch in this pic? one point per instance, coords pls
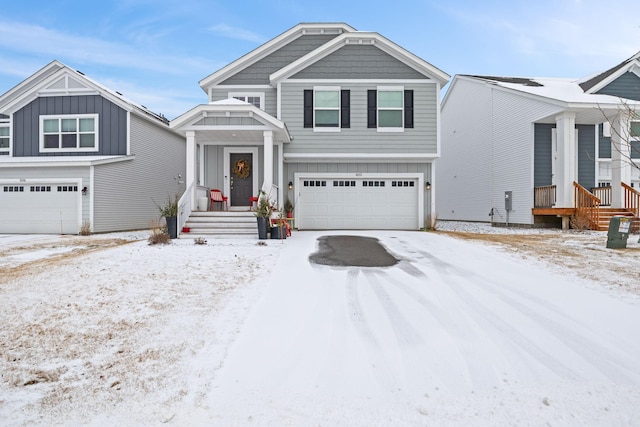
(566, 160)
(620, 156)
(268, 161)
(191, 166)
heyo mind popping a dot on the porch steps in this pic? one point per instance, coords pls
(231, 224)
(607, 213)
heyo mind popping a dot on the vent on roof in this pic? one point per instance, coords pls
(118, 93)
(79, 72)
(514, 80)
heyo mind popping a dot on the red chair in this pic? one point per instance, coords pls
(252, 200)
(216, 197)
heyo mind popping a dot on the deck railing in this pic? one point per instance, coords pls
(631, 199)
(604, 194)
(544, 197)
(587, 205)
(185, 207)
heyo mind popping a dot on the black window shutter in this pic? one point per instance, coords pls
(408, 109)
(345, 108)
(308, 108)
(372, 108)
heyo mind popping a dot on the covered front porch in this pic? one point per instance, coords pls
(235, 148)
(592, 208)
(569, 182)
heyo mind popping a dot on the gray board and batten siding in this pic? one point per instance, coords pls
(626, 86)
(259, 72)
(422, 138)
(126, 192)
(112, 124)
(359, 62)
(543, 155)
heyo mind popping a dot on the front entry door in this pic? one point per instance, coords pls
(241, 182)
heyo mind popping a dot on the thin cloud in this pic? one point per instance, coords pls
(37, 40)
(236, 33)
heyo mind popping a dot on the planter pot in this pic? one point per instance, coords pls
(278, 232)
(289, 214)
(262, 227)
(172, 226)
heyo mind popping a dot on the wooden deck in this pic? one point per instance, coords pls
(554, 211)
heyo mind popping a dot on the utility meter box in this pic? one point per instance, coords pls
(618, 233)
(508, 196)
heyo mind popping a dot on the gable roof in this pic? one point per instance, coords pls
(272, 46)
(361, 37)
(57, 78)
(592, 84)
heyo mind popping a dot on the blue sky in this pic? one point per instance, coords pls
(155, 52)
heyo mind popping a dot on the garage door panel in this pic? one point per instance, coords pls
(362, 203)
(42, 208)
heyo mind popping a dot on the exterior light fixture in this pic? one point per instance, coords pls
(290, 185)
(427, 186)
(84, 191)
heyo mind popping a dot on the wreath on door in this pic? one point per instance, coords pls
(242, 169)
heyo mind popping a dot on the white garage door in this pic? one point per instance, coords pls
(39, 208)
(360, 203)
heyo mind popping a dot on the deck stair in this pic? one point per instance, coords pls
(232, 224)
(606, 213)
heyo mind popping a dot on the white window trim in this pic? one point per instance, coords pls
(389, 89)
(245, 95)
(328, 89)
(6, 123)
(70, 150)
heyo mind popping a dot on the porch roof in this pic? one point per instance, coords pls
(230, 121)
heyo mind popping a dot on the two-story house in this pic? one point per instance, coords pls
(75, 154)
(343, 123)
(541, 151)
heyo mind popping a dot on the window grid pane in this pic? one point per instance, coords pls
(635, 129)
(390, 99)
(69, 140)
(51, 141)
(327, 118)
(390, 118)
(69, 125)
(87, 140)
(327, 99)
(86, 125)
(50, 125)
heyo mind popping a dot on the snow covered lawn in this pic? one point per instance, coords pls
(464, 330)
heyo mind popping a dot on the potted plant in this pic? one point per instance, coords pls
(169, 211)
(278, 225)
(288, 208)
(263, 212)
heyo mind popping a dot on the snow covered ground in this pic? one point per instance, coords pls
(474, 326)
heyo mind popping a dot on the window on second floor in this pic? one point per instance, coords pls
(327, 108)
(69, 133)
(5, 137)
(390, 108)
(254, 98)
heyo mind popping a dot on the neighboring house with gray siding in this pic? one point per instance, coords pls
(75, 153)
(343, 123)
(531, 139)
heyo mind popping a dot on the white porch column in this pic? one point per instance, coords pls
(191, 166)
(620, 158)
(268, 160)
(566, 161)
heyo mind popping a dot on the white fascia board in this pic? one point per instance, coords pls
(67, 161)
(360, 157)
(374, 39)
(201, 111)
(629, 67)
(267, 48)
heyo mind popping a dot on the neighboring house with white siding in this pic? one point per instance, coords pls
(526, 141)
(343, 123)
(75, 153)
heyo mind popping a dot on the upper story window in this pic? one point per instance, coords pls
(5, 136)
(69, 133)
(327, 108)
(390, 109)
(254, 98)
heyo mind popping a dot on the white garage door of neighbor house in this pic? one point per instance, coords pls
(361, 203)
(39, 208)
